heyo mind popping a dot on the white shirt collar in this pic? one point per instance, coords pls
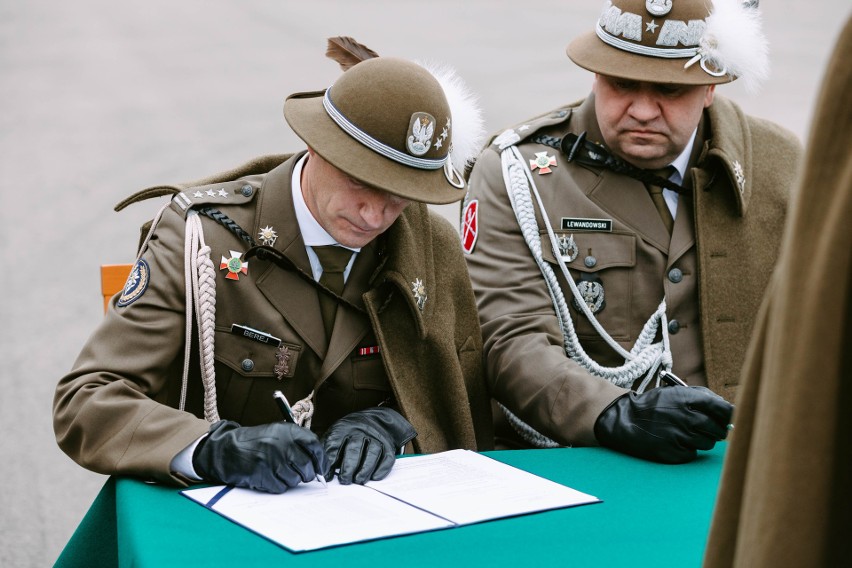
(312, 232)
(682, 161)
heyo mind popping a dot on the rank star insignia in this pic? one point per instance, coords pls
(222, 193)
(419, 291)
(543, 163)
(740, 176)
(234, 265)
(267, 236)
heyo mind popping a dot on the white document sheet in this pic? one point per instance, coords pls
(422, 493)
(466, 487)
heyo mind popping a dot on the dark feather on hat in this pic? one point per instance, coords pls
(347, 52)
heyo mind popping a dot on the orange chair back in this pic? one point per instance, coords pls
(113, 277)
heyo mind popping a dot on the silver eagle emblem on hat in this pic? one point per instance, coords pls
(658, 7)
(421, 129)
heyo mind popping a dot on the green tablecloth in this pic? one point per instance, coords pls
(651, 515)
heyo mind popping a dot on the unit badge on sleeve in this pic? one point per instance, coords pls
(136, 284)
(470, 225)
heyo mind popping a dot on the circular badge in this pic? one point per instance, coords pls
(658, 7)
(137, 283)
(592, 292)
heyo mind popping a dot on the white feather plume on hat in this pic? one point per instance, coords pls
(468, 128)
(734, 42)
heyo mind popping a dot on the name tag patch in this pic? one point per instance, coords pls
(255, 335)
(581, 224)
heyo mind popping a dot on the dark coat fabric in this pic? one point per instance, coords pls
(785, 497)
(724, 244)
(116, 412)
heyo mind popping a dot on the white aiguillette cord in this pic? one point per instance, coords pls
(645, 358)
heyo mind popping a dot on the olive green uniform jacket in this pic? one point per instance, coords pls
(116, 411)
(712, 270)
(785, 497)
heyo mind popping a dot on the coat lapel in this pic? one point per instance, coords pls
(624, 198)
(293, 296)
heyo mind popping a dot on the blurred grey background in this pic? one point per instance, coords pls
(100, 98)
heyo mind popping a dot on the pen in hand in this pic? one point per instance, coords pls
(287, 412)
(670, 379)
(673, 380)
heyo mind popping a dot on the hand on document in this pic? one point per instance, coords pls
(269, 457)
(363, 445)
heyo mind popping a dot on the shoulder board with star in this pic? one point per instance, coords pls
(238, 192)
(530, 127)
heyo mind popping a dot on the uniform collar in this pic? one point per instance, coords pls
(730, 141)
(408, 265)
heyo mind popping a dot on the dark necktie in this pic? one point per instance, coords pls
(656, 192)
(334, 260)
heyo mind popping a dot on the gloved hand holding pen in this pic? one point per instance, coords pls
(666, 424)
(269, 457)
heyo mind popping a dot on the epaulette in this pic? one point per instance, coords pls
(529, 128)
(236, 192)
(259, 165)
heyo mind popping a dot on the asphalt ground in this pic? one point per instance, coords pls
(101, 98)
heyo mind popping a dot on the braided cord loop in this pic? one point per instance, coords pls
(201, 292)
(644, 358)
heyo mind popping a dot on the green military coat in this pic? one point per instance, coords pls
(712, 270)
(785, 497)
(117, 412)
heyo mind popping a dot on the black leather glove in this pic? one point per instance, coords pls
(363, 445)
(665, 424)
(269, 457)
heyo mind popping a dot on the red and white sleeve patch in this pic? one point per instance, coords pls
(470, 225)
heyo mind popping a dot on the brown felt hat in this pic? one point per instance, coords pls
(386, 123)
(688, 42)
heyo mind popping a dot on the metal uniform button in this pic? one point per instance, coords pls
(247, 190)
(675, 275)
(674, 326)
(248, 364)
(590, 261)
